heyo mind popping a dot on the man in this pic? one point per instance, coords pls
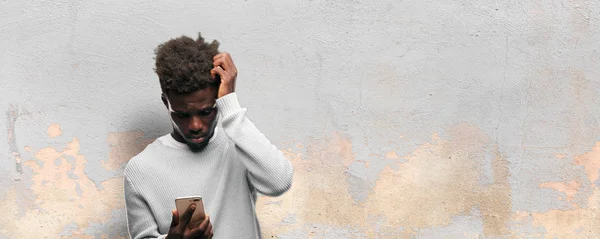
(214, 152)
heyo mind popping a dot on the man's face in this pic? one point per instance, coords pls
(193, 115)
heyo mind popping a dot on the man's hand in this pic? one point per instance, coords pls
(225, 68)
(179, 228)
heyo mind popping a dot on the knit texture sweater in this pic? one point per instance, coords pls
(238, 162)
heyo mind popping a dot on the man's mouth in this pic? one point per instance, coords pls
(197, 139)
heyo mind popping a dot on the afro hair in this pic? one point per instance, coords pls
(183, 64)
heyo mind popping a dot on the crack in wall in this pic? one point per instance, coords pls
(12, 114)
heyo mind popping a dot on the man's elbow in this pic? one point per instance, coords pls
(281, 186)
(277, 191)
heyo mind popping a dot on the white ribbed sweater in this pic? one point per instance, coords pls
(238, 162)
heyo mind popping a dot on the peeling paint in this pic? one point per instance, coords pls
(68, 229)
(468, 226)
(323, 231)
(54, 131)
(569, 189)
(66, 201)
(590, 161)
(560, 156)
(403, 198)
(391, 155)
(581, 221)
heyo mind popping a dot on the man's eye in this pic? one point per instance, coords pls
(205, 112)
(181, 115)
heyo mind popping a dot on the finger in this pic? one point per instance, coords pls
(220, 55)
(187, 216)
(218, 71)
(201, 229)
(195, 233)
(229, 65)
(208, 231)
(222, 62)
(227, 61)
(175, 218)
(204, 223)
(212, 233)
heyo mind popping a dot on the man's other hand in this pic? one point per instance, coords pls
(224, 67)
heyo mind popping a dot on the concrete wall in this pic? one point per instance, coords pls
(403, 119)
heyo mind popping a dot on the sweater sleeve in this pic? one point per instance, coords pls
(140, 220)
(269, 172)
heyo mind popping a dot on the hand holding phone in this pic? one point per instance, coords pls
(183, 203)
(189, 220)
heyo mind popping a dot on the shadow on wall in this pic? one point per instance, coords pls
(153, 119)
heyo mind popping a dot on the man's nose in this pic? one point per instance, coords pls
(195, 124)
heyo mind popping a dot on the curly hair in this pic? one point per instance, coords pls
(183, 64)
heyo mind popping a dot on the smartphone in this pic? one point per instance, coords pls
(182, 204)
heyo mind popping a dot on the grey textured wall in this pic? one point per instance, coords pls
(403, 119)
